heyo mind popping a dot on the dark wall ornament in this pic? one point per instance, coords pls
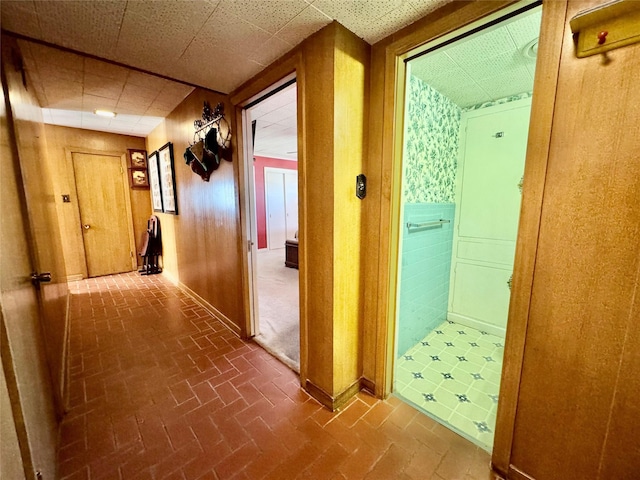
(211, 142)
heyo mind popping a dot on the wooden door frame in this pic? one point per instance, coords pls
(69, 151)
(386, 127)
(290, 66)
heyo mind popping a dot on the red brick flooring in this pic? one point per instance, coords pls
(159, 389)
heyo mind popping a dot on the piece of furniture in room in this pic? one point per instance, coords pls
(151, 247)
(291, 253)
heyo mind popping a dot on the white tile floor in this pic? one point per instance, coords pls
(453, 374)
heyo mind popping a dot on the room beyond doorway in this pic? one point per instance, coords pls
(273, 202)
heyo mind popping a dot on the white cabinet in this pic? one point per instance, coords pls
(281, 192)
(491, 165)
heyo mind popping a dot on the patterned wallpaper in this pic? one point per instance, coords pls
(431, 145)
(500, 101)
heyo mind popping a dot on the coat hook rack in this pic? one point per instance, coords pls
(211, 142)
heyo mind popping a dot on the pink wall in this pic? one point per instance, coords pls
(261, 213)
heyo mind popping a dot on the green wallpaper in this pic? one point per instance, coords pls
(431, 145)
(511, 98)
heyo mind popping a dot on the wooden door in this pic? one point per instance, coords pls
(28, 425)
(105, 221)
(495, 143)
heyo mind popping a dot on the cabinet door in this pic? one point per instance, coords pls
(276, 211)
(291, 203)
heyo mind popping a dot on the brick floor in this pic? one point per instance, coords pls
(159, 389)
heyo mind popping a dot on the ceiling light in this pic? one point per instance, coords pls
(530, 50)
(105, 113)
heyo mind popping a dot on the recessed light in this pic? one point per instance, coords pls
(530, 50)
(105, 113)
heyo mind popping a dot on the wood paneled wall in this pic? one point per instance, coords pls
(568, 401)
(332, 68)
(201, 245)
(61, 141)
(577, 408)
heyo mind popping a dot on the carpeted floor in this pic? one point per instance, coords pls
(278, 308)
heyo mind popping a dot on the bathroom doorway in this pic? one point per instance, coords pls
(273, 177)
(466, 121)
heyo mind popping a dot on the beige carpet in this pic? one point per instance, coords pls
(278, 308)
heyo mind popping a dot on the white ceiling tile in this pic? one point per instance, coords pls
(222, 40)
(508, 83)
(434, 64)
(20, 17)
(103, 86)
(269, 15)
(104, 69)
(525, 29)
(307, 22)
(487, 44)
(94, 25)
(93, 102)
(132, 107)
(423, 7)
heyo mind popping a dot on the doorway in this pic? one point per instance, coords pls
(273, 204)
(106, 225)
(466, 119)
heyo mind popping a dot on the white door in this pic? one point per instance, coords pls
(291, 203)
(487, 219)
(276, 210)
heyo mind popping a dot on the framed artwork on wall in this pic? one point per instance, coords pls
(154, 183)
(138, 178)
(137, 158)
(167, 179)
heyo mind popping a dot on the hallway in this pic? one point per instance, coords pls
(159, 389)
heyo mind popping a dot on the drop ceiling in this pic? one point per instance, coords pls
(490, 65)
(219, 44)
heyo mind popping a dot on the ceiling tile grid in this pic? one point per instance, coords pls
(486, 66)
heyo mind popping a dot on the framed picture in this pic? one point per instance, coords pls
(154, 183)
(167, 179)
(137, 158)
(139, 178)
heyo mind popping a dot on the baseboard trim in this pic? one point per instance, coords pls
(477, 324)
(368, 385)
(74, 278)
(64, 374)
(211, 309)
(516, 474)
(332, 403)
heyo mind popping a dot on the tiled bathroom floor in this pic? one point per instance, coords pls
(453, 374)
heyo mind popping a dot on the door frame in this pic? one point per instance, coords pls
(290, 67)
(266, 201)
(69, 151)
(386, 141)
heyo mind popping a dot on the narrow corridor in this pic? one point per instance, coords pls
(160, 389)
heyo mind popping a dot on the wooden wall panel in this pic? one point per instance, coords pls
(61, 142)
(351, 73)
(317, 242)
(582, 332)
(201, 248)
(331, 70)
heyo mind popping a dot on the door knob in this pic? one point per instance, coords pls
(86, 226)
(37, 278)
